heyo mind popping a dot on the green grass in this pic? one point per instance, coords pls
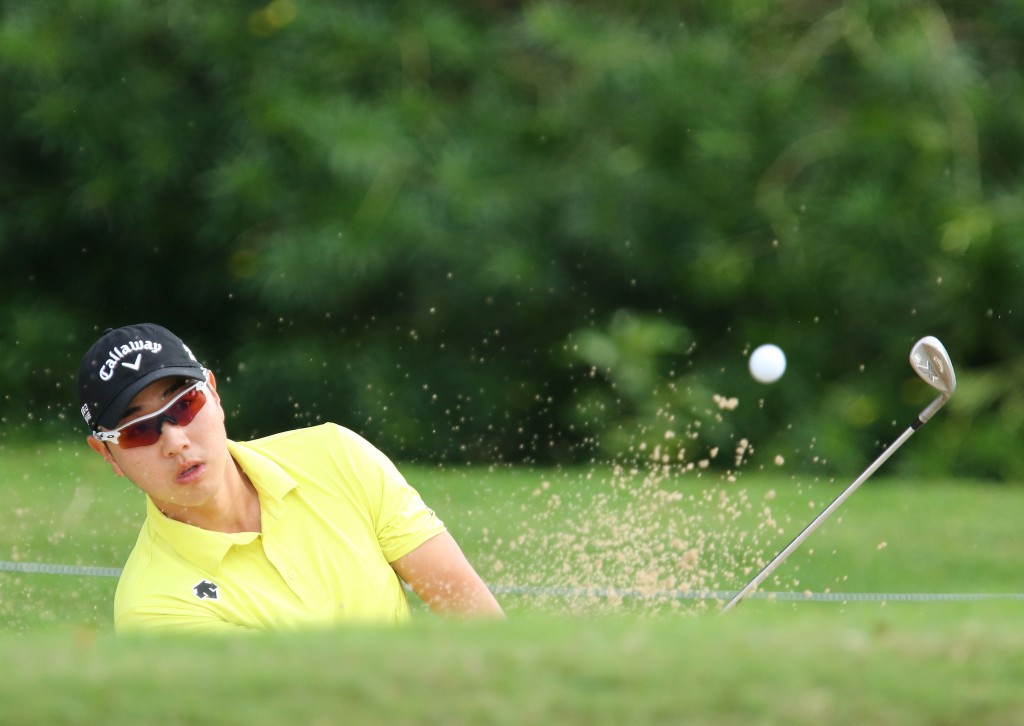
(565, 660)
(574, 528)
(870, 666)
(891, 536)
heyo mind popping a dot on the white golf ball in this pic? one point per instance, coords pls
(767, 363)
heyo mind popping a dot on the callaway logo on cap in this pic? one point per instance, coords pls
(123, 362)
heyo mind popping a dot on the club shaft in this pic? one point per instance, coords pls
(836, 503)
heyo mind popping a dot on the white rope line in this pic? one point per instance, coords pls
(48, 569)
(43, 568)
(600, 592)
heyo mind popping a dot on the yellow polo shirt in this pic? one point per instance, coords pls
(335, 511)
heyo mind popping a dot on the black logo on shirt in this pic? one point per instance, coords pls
(205, 589)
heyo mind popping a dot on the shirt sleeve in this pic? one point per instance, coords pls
(402, 519)
(405, 520)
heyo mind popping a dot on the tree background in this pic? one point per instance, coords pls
(541, 232)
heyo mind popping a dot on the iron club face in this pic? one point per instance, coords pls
(930, 360)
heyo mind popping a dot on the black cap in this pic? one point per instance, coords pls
(123, 362)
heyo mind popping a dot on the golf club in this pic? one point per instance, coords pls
(931, 362)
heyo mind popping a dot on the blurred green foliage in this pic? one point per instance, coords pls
(540, 231)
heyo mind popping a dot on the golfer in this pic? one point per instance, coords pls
(310, 527)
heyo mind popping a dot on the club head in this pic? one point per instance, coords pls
(930, 360)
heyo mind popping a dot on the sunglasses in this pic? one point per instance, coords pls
(145, 430)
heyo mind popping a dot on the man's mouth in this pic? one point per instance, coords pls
(191, 472)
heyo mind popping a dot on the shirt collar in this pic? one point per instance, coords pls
(271, 481)
(206, 548)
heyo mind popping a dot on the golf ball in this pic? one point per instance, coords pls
(767, 363)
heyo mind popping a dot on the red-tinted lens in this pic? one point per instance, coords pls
(147, 431)
(186, 408)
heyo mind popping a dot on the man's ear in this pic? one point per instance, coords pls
(104, 451)
(212, 383)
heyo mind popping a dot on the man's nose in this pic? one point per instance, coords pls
(173, 437)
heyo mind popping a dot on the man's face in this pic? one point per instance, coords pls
(186, 466)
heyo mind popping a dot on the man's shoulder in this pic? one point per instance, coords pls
(323, 456)
(323, 445)
(311, 436)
